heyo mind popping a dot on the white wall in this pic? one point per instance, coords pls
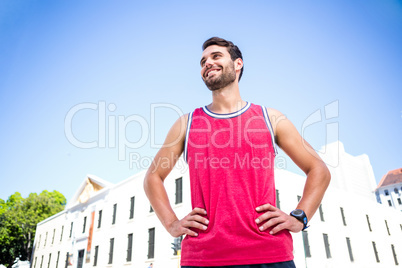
(351, 188)
(392, 196)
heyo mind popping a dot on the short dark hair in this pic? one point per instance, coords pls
(233, 50)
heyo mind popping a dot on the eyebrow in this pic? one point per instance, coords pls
(213, 53)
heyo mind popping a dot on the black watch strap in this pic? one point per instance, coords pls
(301, 216)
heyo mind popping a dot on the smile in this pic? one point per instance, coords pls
(211, 71)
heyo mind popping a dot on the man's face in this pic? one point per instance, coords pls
(217, 68)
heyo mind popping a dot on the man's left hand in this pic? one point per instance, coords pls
(277, 220)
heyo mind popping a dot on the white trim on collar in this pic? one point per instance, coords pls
(229, 115)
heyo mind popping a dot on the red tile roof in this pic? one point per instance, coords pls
(392, 177)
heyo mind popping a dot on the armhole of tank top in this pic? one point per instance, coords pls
(269, 125)
(190, 119)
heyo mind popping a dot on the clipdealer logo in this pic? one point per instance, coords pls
(331, 114)
(112, 132)
(113, 126)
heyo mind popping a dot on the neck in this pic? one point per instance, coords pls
(227, 99)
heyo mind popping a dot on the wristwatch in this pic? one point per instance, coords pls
(301, 216)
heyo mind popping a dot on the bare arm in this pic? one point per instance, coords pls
(304, 156)
(163, 163)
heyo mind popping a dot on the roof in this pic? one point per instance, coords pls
(392, 177)
(88, 188)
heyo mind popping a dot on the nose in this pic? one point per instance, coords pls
(208, 62)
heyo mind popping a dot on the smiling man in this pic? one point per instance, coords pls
(230, 146)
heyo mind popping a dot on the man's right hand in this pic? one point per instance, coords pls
(195, 219)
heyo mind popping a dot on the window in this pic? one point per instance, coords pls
(396, 190)
(61, 235)
(85, 223)
(349, 249)
(151, 209)
(394, 253)
(39, 241)
(377, 194)
(132, 201)
(176, 245)
(114, 213)
(179, 190)
(151, 243)
(326, 243)
(111, 251)
(389, 203)
(45, 240)
(306, 244)
(298, 198)
(278, 203)
(368, 222)
(57, 261)
(71, 229)
(321, 213)
(375, 252)
(67, 255)
(54, 232)
(99, 218)
(386, 192)
(386, 225)
(35, 262)
(399, 201)
(96, 255)
(50, 257)
(343, 216)
(41, 262)
(129, 247)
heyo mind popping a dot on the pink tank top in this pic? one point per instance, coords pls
(231, 164)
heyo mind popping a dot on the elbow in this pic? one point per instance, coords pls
(151, 180)
(321, 174)
(326, 175)
(147, 183)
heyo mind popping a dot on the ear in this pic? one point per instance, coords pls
(238, 64)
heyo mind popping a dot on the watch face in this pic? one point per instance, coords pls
(297, 212)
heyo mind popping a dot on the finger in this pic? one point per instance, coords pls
(189, 232)
(198, 211)
(199, 219)
(266, 216)
(278, 228)
(194, 224)
(270, 223)
(266, 207)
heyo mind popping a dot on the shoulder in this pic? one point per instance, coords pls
(275, 117)
(177, 132)
(181, 123)
(274, 113)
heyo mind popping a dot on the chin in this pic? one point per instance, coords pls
(213, 89)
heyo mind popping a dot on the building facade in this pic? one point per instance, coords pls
(113, 225)
(389, 190)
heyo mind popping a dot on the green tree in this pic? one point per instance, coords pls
(18, 219)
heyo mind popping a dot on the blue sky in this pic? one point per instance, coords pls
(138, 62)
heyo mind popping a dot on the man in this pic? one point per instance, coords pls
(229, 146)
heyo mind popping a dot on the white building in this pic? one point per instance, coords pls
(107, 225)
(389, 189)
(19, 264)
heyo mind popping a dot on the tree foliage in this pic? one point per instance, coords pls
(18, 219)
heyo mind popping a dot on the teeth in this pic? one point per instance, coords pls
(212, 71)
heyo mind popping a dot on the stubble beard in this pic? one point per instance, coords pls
(225, 79)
